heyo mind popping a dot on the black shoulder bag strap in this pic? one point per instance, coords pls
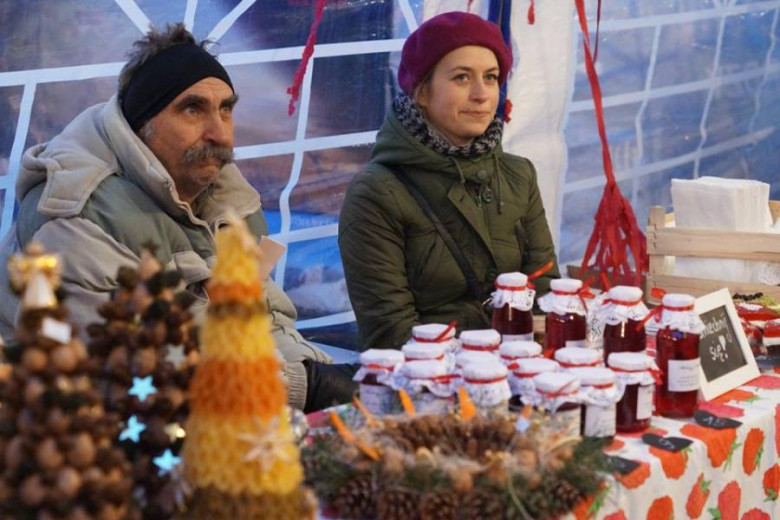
(475, 286)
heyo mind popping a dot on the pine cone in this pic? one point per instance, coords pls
(356, 498)
(397, 504)
(439, 505)
(566, 495)
(483, 504)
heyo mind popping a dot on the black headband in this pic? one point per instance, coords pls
(165, 76)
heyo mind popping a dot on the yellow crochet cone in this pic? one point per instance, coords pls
(239, 447)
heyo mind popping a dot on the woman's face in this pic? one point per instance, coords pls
(461, 97)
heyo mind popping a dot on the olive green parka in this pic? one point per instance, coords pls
(400, 272)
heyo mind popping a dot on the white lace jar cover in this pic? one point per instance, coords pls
(512, 289)
(486, 340)
(632, 368)
(414, 351)
(430, 384)
(600, 397)
(559, 393)
(487, 384)
(377, 368)
(467, 357)
(572, 357)
(511, 351)
(436, 333)
(524, 370)
(676, 313)
(566, 296)
(622, 303)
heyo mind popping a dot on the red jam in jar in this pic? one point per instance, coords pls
(377, 366)
(566, 320)
(633, 375)
(512, 303)
(599, 406)
(677, 352)
(622, 312)
(559, 393)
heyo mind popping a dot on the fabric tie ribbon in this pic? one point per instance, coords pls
(583, 293)
(441, 337)
(657, 312)
(447, 378)
(484, 381)
(603, 386)
(477, 348)
(440, 357)
(564, 364)
(374, 366)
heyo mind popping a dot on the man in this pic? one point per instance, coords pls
(153, 164)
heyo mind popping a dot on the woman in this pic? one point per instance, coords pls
(440, 146)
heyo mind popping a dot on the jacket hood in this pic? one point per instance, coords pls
(396, 146)
(99, 142)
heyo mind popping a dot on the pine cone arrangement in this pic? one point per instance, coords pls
(483, 504)
(439, 505)
(396, 503)
(356, 499)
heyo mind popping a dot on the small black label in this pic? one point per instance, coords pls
(713, 421)
(673, 444)
(621, 465)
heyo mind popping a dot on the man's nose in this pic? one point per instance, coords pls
(219, 132)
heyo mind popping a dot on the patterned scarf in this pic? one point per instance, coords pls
(413, 121)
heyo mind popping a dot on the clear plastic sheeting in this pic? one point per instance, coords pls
(690, 89)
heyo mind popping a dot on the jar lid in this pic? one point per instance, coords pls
(425, 369)
(473, 356)
(384, 358)
(519, 349)
(630, 361)
(590, 376)
(516, 279)
(551, 382)
(625, 293)
(485, 370)
(536, 366)
(414, 351)
(577, 356)
(431, 331)
(481, 338)
(678, 300)
(566, 284)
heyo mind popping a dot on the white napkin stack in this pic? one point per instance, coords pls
(725, 204)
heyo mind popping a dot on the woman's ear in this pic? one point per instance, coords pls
(421, 95)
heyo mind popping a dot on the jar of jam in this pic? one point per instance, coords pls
(375, 377)
(559, 393)
(599, 406)
(633, 373)
(566, 320)
(521, 378)
(621, 314)
(487, 385)
(487, 340)
(429, 384)
(578, 357)
(511, 351)
(677, 354)
(436, 333)
(512, 303)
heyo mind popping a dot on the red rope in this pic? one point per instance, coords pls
(295, 89)
(531, 13)
(616, 230)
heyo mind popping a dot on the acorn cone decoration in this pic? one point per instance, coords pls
(240, 455)
(60, 460)
(147, 352)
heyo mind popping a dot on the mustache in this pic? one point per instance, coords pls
(197, 154)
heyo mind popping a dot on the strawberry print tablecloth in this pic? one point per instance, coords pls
(728, 474)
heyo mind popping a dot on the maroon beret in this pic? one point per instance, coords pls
(441, 35)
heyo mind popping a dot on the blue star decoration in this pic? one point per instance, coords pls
(142, 388)
(133, 430)
(166, 462)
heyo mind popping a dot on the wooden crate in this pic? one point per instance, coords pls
(678, 242)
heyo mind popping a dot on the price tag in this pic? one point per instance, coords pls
(621, 465)
(713, 421)
(673, 444)
(56, 330)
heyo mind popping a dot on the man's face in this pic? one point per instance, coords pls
(193, 136)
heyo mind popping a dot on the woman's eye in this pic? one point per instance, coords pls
(492, 77)
(462, 78)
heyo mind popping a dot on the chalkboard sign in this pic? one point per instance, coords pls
(726, 359)
(719, 347)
